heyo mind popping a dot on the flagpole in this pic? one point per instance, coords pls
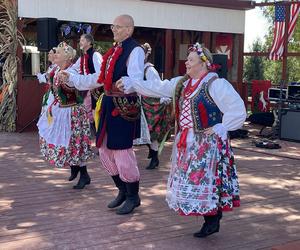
(285, 43)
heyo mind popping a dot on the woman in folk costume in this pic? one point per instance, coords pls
(157, 112)
(63, 125)
(203, 177)
(44, 78)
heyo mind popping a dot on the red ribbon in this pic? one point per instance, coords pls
(106, 74)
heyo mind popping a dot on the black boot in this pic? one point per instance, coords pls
(150, 151)
(132, 198)
(74, 172)
(154, 160)
(122, 192)
(84, 178)
(210, 226)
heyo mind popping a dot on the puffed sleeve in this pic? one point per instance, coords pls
(151, 88)
(230, 104)
(84, 82)
(97, 60)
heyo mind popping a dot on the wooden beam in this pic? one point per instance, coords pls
(266, 54)
(228, 4)
(272, 3)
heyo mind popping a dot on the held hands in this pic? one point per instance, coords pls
(63, 77)
(120, 85)
(41, 78)
(209, 131)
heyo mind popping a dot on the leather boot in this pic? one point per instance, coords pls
(154, 160)
(211, 225)
(149, 152)
(132, 198)
(121, 197)
(84, 178)
(74, 172)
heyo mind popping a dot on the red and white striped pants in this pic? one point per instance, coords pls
(120, 162)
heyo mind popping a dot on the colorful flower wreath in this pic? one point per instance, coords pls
(199, 49)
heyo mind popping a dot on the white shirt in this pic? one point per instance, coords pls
(135, 70)
(97, 60)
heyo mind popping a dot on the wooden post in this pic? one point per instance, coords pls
(240, 85)
(206, 39)
(169, 54)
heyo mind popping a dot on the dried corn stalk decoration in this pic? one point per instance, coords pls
(10, 39)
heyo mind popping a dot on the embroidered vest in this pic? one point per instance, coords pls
(66, 96)
(205, 113)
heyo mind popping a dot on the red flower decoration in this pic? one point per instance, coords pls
(115, 112)
(197, 176)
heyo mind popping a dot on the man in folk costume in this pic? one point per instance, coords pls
(89, 63)
(203, 178)
(120, 114)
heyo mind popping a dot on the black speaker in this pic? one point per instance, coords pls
(221, 60)
(27, 67)
(47, 29)
(289, 125)
(159, 59)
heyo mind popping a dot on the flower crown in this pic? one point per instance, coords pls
(199, 49)
(67, 48)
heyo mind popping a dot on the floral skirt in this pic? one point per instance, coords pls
(158, 117)
(203, 177)
(79, 149)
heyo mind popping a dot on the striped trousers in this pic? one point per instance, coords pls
(120, 162)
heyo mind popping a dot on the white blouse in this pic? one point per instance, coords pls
(58, 131)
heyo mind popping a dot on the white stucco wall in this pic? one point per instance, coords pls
(145, 14)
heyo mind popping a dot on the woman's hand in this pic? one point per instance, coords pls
(63, 76)
(120, 85)
(209, 131)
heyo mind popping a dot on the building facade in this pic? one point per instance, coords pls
(169, 26)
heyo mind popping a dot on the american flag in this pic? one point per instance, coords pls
(279, 29)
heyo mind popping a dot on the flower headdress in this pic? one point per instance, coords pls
(67, 49)
(199, 49)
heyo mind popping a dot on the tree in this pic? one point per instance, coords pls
(273, 69)
(253, 66)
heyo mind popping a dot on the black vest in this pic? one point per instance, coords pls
(91, 67)
(120, 132)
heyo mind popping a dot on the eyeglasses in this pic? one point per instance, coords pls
(117, 27)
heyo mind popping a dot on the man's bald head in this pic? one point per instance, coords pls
(126, 19)
(122, 27)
